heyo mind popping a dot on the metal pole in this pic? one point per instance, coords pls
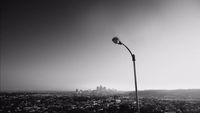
(134, 69)
(136, 91)
(117, 41)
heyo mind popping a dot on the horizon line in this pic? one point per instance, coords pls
(95, 89)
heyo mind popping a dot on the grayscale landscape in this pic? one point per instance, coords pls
(100, 56)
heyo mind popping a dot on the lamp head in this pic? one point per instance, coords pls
(116, 40)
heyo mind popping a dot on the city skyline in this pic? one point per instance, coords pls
(64, 45)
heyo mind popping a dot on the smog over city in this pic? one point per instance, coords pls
(100, 56)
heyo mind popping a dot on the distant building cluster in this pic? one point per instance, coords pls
(100, 91)
(101, 88)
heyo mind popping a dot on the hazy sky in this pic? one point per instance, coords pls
(64, 45)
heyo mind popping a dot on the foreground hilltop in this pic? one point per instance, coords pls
(151, 101)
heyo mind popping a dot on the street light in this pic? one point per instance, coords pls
(117, 41)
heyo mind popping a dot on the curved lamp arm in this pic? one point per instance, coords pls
(132, 55)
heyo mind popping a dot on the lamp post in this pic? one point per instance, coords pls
(117, 41)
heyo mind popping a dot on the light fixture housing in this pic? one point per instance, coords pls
(116, 40)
